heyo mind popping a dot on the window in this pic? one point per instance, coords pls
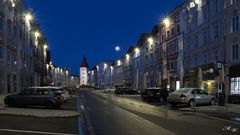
(196, 42)
(235, 23)
(27, 92)
(178, 28)
(215, 57)
(41, 92)
(216, 8)
(216, 32)
(235, 85)
(1, 23)
(195, 19)
(205, 59)
(205, 13)
(8, 54)
(235, 52)
(168, 34)
(173, 31)
(172, 65)
(233, 2)
(205, 37)
(195, 61)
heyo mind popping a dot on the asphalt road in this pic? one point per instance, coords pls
(19, 125)
(110, 115)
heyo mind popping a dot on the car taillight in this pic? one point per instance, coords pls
(182, 96)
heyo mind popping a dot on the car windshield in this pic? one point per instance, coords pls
(182, 90)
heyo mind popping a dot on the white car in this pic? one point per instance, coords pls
(191, 97)
(109, 90)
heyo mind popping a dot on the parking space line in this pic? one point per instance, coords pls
(33, 132)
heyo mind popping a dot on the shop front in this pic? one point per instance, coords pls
(209, 81)
(234, 74)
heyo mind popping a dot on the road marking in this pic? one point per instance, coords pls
(80, 129)
(33, 132)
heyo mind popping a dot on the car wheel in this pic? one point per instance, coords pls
(12, 103)
(213, 101)
(191, 103)
(49, 105)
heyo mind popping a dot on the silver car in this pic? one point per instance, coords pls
(191, 97)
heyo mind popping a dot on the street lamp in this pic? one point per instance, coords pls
(118, 62)
(127, 56)
(28, 17)
(45, 47)
(166, 21)
(105, 65)
(37, 34)
(150, 40)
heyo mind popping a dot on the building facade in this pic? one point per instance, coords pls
(23, 52)
(232, 46)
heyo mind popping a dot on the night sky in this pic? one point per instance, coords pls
(94, 27)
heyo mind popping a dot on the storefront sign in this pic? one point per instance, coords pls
(219, 65)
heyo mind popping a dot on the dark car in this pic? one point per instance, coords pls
(156, 94)
(50, 97)
(119, 91)
(125, 90)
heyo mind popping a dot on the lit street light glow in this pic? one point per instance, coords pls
(37, 34)
(166, 22)
(137, 50)
(45, 46)
(127, 56)
(28, 17)
(150, 40)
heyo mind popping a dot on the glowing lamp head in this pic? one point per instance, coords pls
(127, 56)
(28, 17)
(150, 40)
(37, 34)
(105, 65)
(137, 50)
(166, 21)
(45, 47)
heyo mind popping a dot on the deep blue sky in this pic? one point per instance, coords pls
(94, 27)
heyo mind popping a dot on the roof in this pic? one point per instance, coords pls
(84, 62)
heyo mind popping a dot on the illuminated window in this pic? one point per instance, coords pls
(235, 52)
(235, 85)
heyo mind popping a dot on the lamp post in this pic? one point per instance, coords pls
(166, 22)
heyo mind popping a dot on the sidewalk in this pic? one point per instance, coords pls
(230, 112)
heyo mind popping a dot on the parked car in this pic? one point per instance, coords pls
(129, 91)
(50, 97)
(119, 91)
(109, 89)
(191, 97)
(125, 90)
(156, 94)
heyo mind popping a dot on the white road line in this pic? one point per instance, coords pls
(32, 132)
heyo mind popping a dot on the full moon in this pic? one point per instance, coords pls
(117, 48)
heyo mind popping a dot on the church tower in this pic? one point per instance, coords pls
(84, 72)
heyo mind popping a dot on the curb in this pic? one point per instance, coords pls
(37, 113)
